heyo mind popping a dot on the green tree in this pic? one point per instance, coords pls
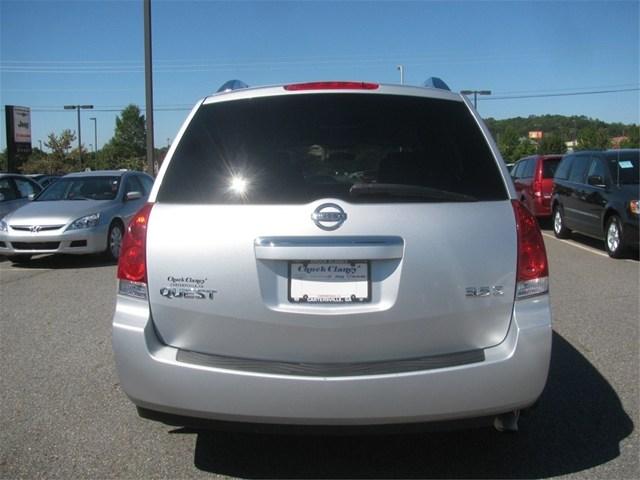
(551, 144)
(592, 138)
(508, 143)
(59, 160)
(36, 163)
(3, 161)
(129, 140)
(633, 138)
(525, 148)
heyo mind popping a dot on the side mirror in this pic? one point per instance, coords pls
(596, 181)
(31, 196)
(132, 196)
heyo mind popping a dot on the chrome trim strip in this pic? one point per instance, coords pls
(581, 212)
(329, 248)
(328, 241)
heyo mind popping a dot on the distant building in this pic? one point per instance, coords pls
(536, 135)
(571, 145)
(616, 141)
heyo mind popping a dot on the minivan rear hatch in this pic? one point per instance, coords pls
(332, 227)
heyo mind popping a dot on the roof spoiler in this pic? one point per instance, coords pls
(232, 85)
(435, 82)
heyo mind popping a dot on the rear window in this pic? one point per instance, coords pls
(361, 148)
(549, 167)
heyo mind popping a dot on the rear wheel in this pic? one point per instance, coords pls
(559, 228)
(614, 238)
(19, 258)
(114, 241)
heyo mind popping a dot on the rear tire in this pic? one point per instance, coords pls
(19, 258)
(614, 237)
(114, 241)
(559, 228)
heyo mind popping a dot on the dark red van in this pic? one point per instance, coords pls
(533, 178)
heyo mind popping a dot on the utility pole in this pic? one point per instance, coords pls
(148, 84)
(475, 95)
(401, 69)
(95, 135)
(78, 108)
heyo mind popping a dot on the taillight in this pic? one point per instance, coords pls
(332, 86)
(132, 264)
(532, 277)
(537, 188)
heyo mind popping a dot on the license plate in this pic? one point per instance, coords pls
(329, 282)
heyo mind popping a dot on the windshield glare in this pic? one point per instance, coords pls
(87, 188)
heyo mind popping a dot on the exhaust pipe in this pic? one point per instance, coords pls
(507, 422)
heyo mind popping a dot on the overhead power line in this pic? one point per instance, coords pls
(566, 94)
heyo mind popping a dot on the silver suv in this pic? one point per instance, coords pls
(335, 254)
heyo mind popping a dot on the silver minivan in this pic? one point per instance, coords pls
(333, 254)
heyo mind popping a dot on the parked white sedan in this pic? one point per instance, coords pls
(81, 213)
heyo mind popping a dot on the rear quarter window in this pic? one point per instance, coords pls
(579, 168)
(529, 168)
(304, 147)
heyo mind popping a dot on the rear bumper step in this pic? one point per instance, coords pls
(331, 369)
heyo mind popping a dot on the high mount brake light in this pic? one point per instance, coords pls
(132, 264)
(332, 86)
(533, 268)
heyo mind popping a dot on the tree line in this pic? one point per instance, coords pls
(127, 147)
(512, 134)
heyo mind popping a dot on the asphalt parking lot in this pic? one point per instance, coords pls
(64, 415)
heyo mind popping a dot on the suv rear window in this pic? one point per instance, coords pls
(549, 167)
(356, 147)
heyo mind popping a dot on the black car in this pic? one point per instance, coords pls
(596, 193)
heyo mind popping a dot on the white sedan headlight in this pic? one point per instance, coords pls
(87, 221)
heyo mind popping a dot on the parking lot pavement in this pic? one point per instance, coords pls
(63, 414)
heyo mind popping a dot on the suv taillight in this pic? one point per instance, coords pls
(132, 264)
(532, 277)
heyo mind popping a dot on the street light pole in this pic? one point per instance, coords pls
(95, 135)
(78, 108)
(475, 95)
(401, 68)
(148, 84)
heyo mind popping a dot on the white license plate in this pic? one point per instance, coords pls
(329, 282)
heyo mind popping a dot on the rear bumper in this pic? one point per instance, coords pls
(542, 205)
(511, 377)
(82, 241)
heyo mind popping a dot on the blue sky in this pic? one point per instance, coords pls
(91, 52)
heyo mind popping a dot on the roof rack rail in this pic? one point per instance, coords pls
(435, 82)
(232, 85)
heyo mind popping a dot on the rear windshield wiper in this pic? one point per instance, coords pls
(413, 191)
